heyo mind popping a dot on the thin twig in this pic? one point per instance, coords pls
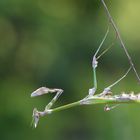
(119, 37)
(124, 98)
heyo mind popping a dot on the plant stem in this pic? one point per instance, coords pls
(91, 100)
(111, 100)
(66, 106)
(117, 99)
(119, 37)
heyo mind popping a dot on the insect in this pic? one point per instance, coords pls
(106, 92)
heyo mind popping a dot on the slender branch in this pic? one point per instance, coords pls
(119, 37)
(109, 99)
(123, 98)
(66, 106)
(96, 99)
(88, 100)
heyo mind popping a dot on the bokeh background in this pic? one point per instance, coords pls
(51, 43)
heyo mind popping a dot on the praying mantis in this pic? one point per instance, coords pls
(92, 91)
(105, 97)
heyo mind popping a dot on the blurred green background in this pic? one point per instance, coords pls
(51, 43)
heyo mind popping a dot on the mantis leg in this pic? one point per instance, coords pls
(108, 108)
(39, 92)
(59, 92)
(108, 89)
(94, 66)
(44, 90)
